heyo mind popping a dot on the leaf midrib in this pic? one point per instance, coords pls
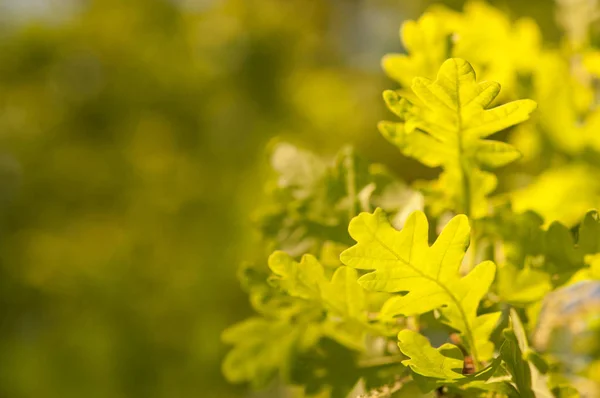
(455, 300)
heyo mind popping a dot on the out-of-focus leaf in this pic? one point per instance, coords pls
(568, 325)
(345, 294)
(500, 49)
(426, 41)
(327, 371)
(552, 189)
(519, 235)
(303, 280)
(254, 357)
(523, 286)
(565, 255)
(313, 198)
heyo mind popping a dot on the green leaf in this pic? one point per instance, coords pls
(593, 260)
(565, 255)
(538, 258)
(403, 261)
(410, 389)
(554, 187)
(444, 363)
(512, 354)
(519, 235)
(313, 198)
(568, 118)
(254, 357)
(455, 112)
(502, 49)
(297, 169)
(426, 41)
(341, 301)
(443, 366)
(345, 294)
(522, 286)
(306, 279)
(303, 280)
(327, 371)
(447, 126)
(589, 234)
(515, 353)
(346, 301)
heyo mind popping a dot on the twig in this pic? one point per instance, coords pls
(387, 390)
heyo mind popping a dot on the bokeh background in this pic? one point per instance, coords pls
(132, 152)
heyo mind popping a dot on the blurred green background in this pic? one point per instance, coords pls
(132, 150)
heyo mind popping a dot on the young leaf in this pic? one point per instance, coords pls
(444, 363)
(481, 33)
(254, 357)
(447, 124)
(314, 198)
(526, 378)
(443, 366)
(341, 301)
(404, 262)
(504, 50)
(306, 279)
(303, 280)
(512, 354)
(345, 294)
(522, 286)
(519, 235)
(563, 255)
(554, 187)
(426, 41)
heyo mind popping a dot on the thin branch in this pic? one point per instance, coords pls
(387, 390)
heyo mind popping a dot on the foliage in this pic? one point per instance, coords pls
(460, 292)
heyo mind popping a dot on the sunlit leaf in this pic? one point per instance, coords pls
(403, 261)
(444, 363)
(447, 126)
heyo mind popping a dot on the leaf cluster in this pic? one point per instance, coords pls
(480, 283)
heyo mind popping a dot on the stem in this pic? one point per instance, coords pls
(414, 323)
(468, 332)
(381, 361)
(350, 183)
(473, 257)
(387, 390)
(466, 183)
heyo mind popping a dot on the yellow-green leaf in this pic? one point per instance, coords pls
(303, 280)
(447, 124)
(403, 261)
(522, 286)
(427, 44)
(445, 362)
